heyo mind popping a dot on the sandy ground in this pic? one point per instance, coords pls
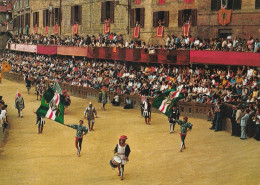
(50, 158)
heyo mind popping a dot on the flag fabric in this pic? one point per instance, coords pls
(6, 67)
(52, 106)
(224, 16)
(161, 2)
(165, 101)
(188, 1)
(159, 31)
(56, 88)
(137, 2)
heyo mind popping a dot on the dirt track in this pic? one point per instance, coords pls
(50, 158)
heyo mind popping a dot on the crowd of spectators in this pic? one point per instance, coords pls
(3, 115)
(199, 84)
(171, 42)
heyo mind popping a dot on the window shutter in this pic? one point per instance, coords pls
(257, 4)
(112, 9)
(34, 18)
(48, 18)
(37, 18)
(14, 23)
(80, 14)
(44, 18)
(22, 21)
(236, 4)
(155, 22)
(72, 16)
(103, 11)
(180, 18)
(194, 17)
(53, 17)
(142, 13)
(132, 11)
(214, 5)
(29, 20)
(166, 18)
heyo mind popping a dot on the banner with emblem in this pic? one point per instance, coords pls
(52, 106)
(161, 2)
(165, 101)
(137, 2)
(6, 67)
(224, 16)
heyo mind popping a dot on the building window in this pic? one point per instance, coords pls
(56, 14)
(46, 18)
(76, 14)
(187, 16)
(137, 17)
(27, 3)
(22, 21)
(107, 11)
(27, 19)
(35, 18)
(257, 4)
(161, 16)
(228, 4)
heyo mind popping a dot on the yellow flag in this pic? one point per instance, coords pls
(6, 67)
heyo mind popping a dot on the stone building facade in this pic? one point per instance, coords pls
(245, 17)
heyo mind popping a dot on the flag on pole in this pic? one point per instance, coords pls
(6, 67)
(52, 106)
(165, 101)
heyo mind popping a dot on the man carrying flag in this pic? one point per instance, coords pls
(79, 135)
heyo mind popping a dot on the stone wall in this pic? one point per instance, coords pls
(244, 22)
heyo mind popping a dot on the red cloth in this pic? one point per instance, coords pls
(186, 30)
(35, 29)
(129, 54)
(137, 2)
(225, 58)
(162, 55)
(72, 51)
(224, 16)
(136, 32)
(46, 29)
(56, 29)
(106, 27)
(102, 53)
(188, 1)
(46, 50)
(75, 29)
(161, 2)
(159, 31)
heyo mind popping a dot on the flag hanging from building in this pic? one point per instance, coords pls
(137, 2)
(161, 2)
(6, 67)
(165, 101)
(52, 106)
(136, 32)
(186, 29)
(159, 31)
(188, 1)
(224, 16)
(46, 29)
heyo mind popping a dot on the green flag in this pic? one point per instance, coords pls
(52, 106)
(165, 101)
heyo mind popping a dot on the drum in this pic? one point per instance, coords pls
(115, 161)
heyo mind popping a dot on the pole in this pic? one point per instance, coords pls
(60, 13)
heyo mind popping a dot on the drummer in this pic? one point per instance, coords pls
(123, 150)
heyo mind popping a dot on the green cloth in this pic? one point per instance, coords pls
(184, 126)
(80, 129)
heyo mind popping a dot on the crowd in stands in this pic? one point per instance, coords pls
(199, 84)
(171, 42)
(3, 115)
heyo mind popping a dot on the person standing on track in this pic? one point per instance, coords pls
(175, 114)
(183, 131)
(40, 122)
(19, 104)
(81, 130)
(91, 113)
(122, 150)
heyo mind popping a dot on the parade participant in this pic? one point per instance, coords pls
(91, 113)
(79, 135)
(40, 122)
(28, 84)
(19, 104)
(183, 131)
(123, 150)
(104, 98)
(67, 99)
(146, 111)
(175, 114)
(243, 124)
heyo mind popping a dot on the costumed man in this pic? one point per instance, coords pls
(183, 131)
(19, 104)
(40, 122)
(122, 150)
(28, 84)
(175, 114)
(91, 113)
(81, 130)
(146, 111)
(104, 98)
